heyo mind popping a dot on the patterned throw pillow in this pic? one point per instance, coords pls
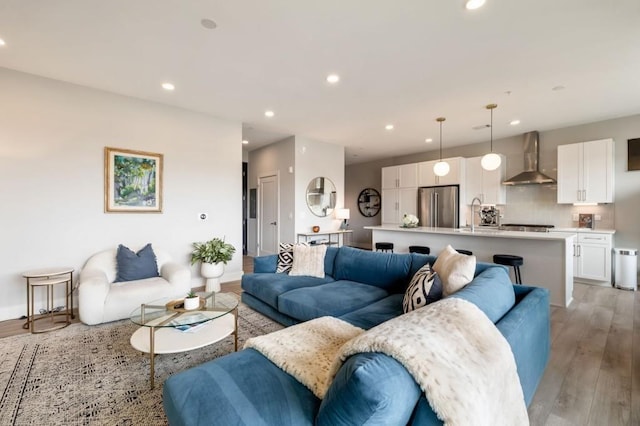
(285, 258)
(425, 288)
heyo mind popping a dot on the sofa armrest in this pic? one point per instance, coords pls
(179, 276)
(265, 264)
(92, 292)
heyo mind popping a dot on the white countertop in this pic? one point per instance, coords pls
(480, 232)
(600, 231)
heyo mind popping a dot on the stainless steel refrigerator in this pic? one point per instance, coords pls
(438, 206)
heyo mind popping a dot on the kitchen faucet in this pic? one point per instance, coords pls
(473, 212)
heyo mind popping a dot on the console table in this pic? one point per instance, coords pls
(309, 237)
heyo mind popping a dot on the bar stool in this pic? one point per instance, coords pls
(462, 251)
(510, 260)
(384, 247)
(419, 249)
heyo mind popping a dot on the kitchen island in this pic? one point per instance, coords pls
(548, 256)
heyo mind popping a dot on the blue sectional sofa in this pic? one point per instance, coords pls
(365, 289)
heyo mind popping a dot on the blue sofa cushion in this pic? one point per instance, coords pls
(385, 270)
(371, 389)
(135, 266)
(491, 291)
(267, 287)
(242, 388)
(376, 313)
(332, 299)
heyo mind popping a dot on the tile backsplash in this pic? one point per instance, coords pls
(537, 204)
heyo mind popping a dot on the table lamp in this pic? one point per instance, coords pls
(343, 214)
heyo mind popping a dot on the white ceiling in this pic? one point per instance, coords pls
(402, 62)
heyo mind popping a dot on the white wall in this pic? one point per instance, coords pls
(52, 136)
(315, 159)
(269, 160)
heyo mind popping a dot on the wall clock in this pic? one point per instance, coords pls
(369, 202)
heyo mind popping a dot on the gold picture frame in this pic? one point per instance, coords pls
(132, 181)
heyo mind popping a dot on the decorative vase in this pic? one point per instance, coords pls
(191, 303)
(316, 229)
(212, 272)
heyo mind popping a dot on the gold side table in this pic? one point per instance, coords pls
(49, 278)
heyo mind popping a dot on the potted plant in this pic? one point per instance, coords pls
(213, 255)
(192, 301)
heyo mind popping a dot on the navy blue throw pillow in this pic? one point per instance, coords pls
(135, 266)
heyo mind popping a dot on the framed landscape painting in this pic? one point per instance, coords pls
(132, 181)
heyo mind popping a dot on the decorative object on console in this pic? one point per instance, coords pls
(132, 181)
(425, 287)
(455, 269)
(585, 220)
(441, 168)
(213, 255)
(491, 161)
(369, 202)
(131, 266)
(343, 214)
(409, 221)
(315, 228)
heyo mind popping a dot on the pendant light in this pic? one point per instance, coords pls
(491, 161)
(441, 168)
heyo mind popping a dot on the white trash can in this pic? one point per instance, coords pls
(626, 270)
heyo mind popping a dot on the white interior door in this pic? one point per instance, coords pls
(268, 216)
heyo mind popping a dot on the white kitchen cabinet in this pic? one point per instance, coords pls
(404, 176)
(456, 174)
(592, 257)
(397, 202)
(585, 172)
(484, 184)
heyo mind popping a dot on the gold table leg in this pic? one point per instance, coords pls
(152, 332)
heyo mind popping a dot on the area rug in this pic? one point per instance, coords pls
(90, 375)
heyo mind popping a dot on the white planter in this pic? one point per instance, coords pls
(191, 303)
(212, 272)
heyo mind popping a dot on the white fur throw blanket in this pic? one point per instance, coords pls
(307, 351)
(461, 361)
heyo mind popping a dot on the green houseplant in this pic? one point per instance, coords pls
(213, 254)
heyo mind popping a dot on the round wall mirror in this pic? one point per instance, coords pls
(321, 196)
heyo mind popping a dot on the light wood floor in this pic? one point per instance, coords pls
(593, 376)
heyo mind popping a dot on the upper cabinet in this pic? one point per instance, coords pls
(426, 177)
(585, 172)
(484, 184)
(404, 176)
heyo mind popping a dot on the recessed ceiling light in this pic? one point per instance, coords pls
(428, 140)
(209, 24)
(514, 122)
(557, 88)
(333, 78)
(245, 142)
(269, 114)
(389, 127)
(168, 86)
(474, 4)
(2, 43)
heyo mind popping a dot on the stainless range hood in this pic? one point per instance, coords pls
(531, 175)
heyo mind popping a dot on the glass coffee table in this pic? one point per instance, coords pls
(166, 327)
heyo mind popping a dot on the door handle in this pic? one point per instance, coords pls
(584, 195)
(273, 223)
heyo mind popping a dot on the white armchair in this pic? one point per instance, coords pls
(101, 300)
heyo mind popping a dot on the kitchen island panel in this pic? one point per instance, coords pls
(548, 257)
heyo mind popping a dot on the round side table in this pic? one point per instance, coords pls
(48, 278)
